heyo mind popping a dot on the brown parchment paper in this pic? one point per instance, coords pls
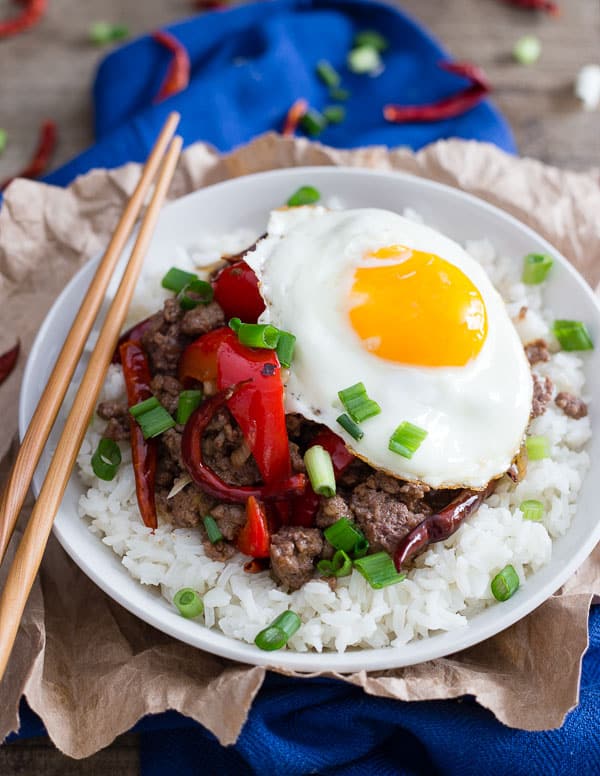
(88, 667)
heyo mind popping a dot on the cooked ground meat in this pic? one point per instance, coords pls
(225, 451)
(167, 390)
(357, 472)
(112, 409)
(117, 429)
(537, 351)
(296, 458)
(230, 518)
(331, 510)
(202, 319)
(115, 412)
(220, 551)
(542, 393)
(295, 424)
(571, 405)
(293, 550)
(187, 508)
(170, 441)
(164, 340)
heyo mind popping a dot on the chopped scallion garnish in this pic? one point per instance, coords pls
(538, 447)
(320, 470)
(328, 74)
(536, 267)
(378, 570)
(407, 439)
(364, 60)
(527, 50)
(212, 529)
(532, 509)
(187, 403)
(258, 335)
(277, 635)
(339, 95)
(106, 460)
(194, 293)
(350, 426)
(505, 584)
(102, 33)
(285, 348)
(313, 123)
(371, 38)
(343, 535)
(335, 114)
(144, 406)
(339, 566)
(177, 279)
(357, 403)
(3, 139)
(572, 335)
(235, 323)
(151, 417)
(305, 195)
(188, 602)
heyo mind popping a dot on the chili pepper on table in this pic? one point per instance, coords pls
(41, 156)
(536, 5)
(136, 372)
(178, 72)
(294, 115)
(254, 538)
(448, 107)
(8, 362)
(236, 290)
(441, 525)
(31, 12)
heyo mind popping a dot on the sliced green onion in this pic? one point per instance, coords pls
(532, 509)
(378, 570)
(573, 335)
(344, 536)
(371, 38)
(339, 566)
(277, 635)
(187, 403)
(151, 417)
(3, 139)
(356, 391)
(258, 335)
(285, 348)
(538, 447)
(202, 294)
(328, 74)
(527, 50)
(364, 60)
(335, 114)
(234, 324)
(106, 460)
(350, 426)
(340, 95)
(505, 584)
(212, 529)
(357, 403)
(305, 195)
(361, 548)
(102, 33)
(313, 123)
(536, 267)
(188, 602)
(320, 470)
(407, 439)
(177, 279)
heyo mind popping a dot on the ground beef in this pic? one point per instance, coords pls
(225, 450)
(220, 551)
(115, 412)
(571, 405)
(187, 508)
(202, 319)
(164, 340)
(331, 510)
(357, 472)
(537, 351)
(167, 390)
(230, 518)
(170, 442)
(381, 513)
(295, 424)
(296, 458)
(542, 393)
(293, 550)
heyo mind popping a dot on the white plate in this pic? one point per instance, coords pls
(245, 202)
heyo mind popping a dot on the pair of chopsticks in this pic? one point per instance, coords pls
(28, 557)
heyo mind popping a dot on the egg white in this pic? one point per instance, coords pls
(475, 416)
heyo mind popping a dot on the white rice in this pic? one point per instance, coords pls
(451, 581)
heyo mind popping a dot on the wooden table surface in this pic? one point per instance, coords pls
(48, 71)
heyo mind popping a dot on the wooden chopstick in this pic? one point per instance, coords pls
(31, 549)
(45, 414)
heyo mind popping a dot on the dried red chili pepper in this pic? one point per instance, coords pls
(293, 117)
(136, 372)
(31, 13)
(441, 525)
(134, 334)
(8, 361)
(41, 156)
(178, 72)
(448, 107)
(207, 479)
(254, 538)
(536, 5)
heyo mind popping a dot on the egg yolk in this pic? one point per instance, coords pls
(418, 310)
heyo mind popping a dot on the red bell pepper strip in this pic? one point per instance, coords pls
(295, 113)
(207, 479)
(134, 334)
(199, 360)
(8, 362)
(136, 372)
(236, 290)
(305, 507)
(447, 108)
(31, 13)
(178, 72)
(41, 156)
(254, 538)
(536, 5)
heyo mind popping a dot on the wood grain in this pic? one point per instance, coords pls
(47, 73)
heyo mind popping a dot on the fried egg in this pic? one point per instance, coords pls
(375, 298)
